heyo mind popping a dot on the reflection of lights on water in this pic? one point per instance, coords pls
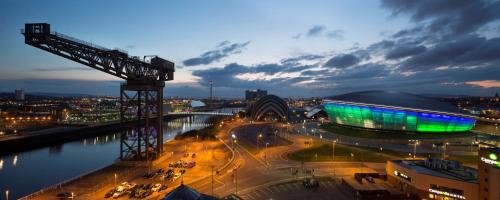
(95, 142)
(84, 142)
(114, 136)
(14, 162)
(106, 138)
(1, 164)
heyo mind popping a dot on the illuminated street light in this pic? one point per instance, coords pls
(333, 149)
(258, 141)
(265, 153)
(116, 176)
(6, 194)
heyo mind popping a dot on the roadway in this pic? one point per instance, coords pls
(251, 172)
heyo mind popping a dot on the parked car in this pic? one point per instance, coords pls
(65, 195)
(160, 171)
(163, 187)
(149, 175)
(109, 193)
(182, 171)
(194, 155)
(190, 164)
(310, 183)
(186, 154)
(156, 187)
(176, 176)
(120, 191)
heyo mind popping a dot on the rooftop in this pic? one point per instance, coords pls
(443, 168)
(399, 99)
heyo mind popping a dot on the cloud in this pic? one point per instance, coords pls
(485, 83)
(466, 51)
(296, 60)
(223, 50)
(315, 31)
(404, 51)
(453, 17)
(60, 69)
(336, 34)
(321, 31)
(342, 61)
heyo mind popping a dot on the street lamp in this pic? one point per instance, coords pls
(333, 149)
(444, 150)
(415, 143)
(6, 194)
(265, 152)
(258, 140)
(115, 178)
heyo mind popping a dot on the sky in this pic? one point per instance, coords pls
(292, 48)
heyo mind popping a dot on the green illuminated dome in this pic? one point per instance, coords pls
(397, 111)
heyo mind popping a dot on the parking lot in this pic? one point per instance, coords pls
(327, 189)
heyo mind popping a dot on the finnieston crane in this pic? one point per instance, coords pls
(141, 95)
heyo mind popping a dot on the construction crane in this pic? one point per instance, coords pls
(141, 95)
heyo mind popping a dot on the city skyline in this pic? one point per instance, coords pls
(297, 49)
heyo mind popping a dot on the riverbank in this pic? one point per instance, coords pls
(95, 184)
(28, 141)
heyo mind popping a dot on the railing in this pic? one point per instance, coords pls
(59, 185)
(79, 41)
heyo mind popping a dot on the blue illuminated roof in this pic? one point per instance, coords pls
(399, 99)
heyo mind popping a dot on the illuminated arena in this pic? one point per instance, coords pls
(397, 111)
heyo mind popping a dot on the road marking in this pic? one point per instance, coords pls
(248, 196)
(283, 186)
(330, 184)
(258, 193)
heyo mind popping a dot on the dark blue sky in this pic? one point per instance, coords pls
(291, 48)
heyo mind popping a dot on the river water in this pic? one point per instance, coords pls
(26, 172)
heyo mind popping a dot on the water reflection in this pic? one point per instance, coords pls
(14, 161)
(61, 162)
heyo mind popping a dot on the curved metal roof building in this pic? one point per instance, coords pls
(269, 104)
(397, 111)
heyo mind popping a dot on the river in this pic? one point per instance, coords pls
(26, 172)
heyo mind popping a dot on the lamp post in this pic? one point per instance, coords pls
(233, 136)
(333, 149)
(265, 152)
(258, 142)
(6, 194)
(444, 150)
(116, 176)
(415, 143)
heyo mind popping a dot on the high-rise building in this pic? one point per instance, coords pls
(19, 94)
(251, 95)
(489, 173)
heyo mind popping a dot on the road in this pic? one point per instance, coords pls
(252, 172)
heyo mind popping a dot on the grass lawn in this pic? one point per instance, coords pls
(373, 134)
(465, 159)
(322, 152)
